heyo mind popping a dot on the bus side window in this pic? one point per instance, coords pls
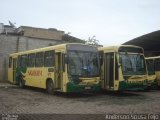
(157, 64)
(10, 62)
(49, 58)
(31, 60)
(24, 60)
(19, 61)
(39, 59)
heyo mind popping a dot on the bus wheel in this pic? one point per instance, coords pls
(50, 87)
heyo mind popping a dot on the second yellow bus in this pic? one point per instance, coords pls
(123, 68)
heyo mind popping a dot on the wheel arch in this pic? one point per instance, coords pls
(47, 80)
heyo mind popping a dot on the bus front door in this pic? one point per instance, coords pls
(14, 69)
(109, 71)
(58, 71)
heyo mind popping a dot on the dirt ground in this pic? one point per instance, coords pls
(14, 100)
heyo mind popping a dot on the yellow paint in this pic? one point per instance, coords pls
(89, 81)
(158, 77)
(116, 85)
(10, 75)
(151, 78)
(137, 78)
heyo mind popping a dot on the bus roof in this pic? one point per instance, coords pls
(59, 46)
(152, 57)
(116, 48)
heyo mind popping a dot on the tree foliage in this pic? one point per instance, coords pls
(92, 41)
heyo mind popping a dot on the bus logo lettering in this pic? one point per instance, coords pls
(35, 72)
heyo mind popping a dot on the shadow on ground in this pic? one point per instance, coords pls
(88, 94)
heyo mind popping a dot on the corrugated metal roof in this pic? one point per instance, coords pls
(150, 41)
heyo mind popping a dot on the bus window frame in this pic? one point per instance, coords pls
(53, 58)
(33, 65)
(42, 62)
(22, 62)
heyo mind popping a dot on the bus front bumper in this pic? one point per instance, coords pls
(152, 85)
(75, 88)
(132, 86)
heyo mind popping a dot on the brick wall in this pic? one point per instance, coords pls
(13, 43)
(41, 33)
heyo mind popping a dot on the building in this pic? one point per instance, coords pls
(26, 38)
(150, 43)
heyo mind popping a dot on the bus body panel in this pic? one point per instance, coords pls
(37, 77)
(158, 77)
(10, 75)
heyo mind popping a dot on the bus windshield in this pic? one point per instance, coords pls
(132, 64)
(150, 66)
(83, 64)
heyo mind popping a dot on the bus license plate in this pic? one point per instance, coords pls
(87, 87)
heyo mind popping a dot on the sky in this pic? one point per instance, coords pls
(113, 22)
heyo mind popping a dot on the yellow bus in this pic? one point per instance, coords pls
(153, 64)
(66, 68)
(123, 68)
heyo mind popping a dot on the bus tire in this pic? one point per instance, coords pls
(50, 87)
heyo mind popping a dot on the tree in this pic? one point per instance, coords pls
(92, 41)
